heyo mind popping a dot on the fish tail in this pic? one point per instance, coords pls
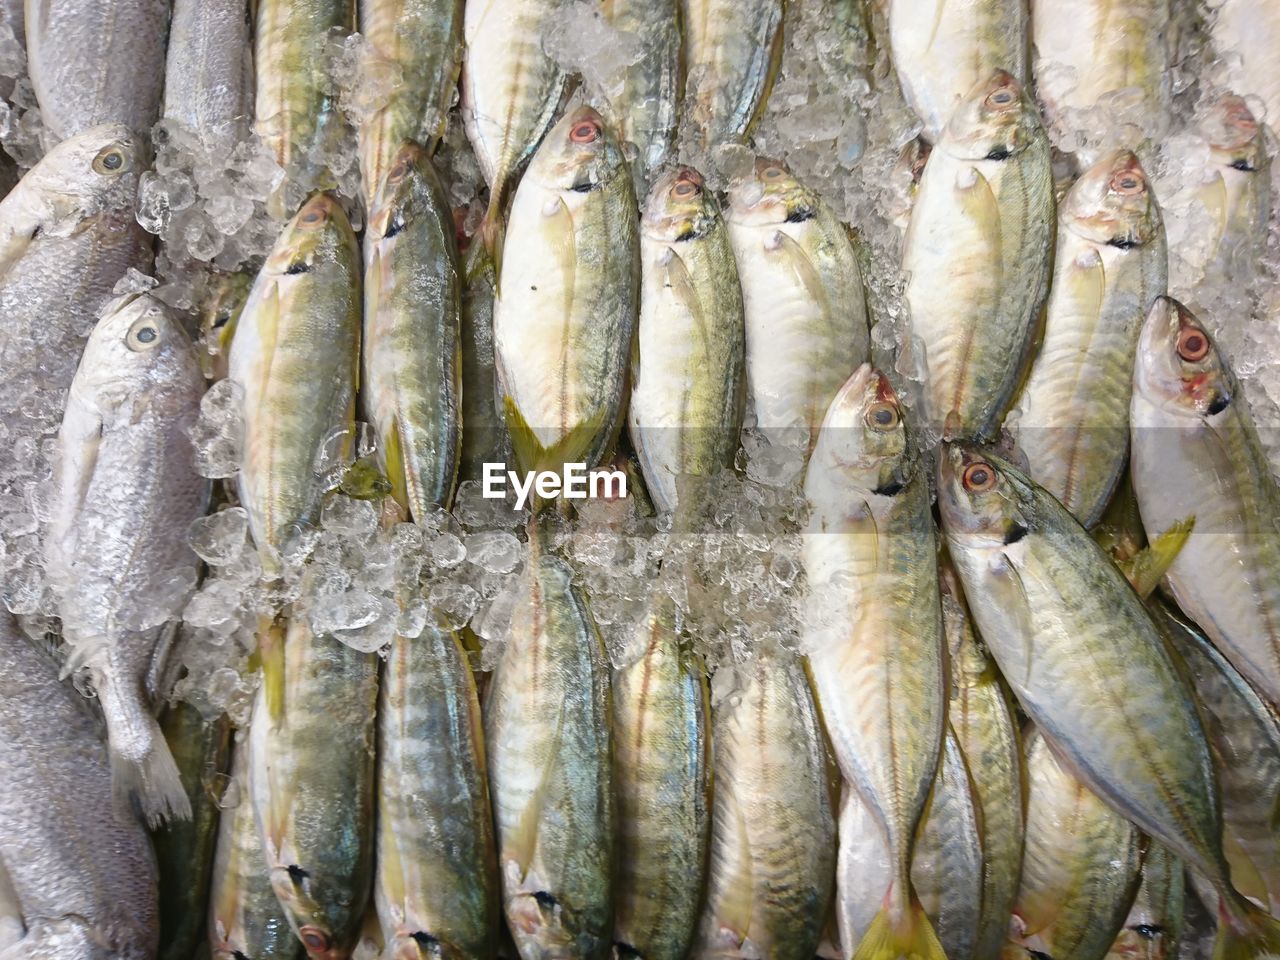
(141, 764)
(910, 936)
(1245, 932)
(493, 235)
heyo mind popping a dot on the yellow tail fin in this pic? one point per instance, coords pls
(910, 938)
(1245, 932)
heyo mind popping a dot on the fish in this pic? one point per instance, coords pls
(436, 887)
(219, 312)
(511, 95)
(419, 43)
(873, 634)
(74, 52)
(245, 918)
(412, 378)
(643, 97)
(1244, 735)
(983, 217)
(548, 740)
(1195, 453)
(208, 89)
(1081, 866)
(806, 315)
(1110, 264)
(295, 355)
(773, 842)
(688, 382)
(1249, 34)
(983, 722)
(1153, 928)
(311, 779)
(942, 48)
(79, 877)
(125, 490)
(485, 439)
(864, 865)
(732, 52)
(185, 850)
(568, 295)
(662, 786)
(1091, 669)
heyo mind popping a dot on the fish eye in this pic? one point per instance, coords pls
(772, 173)
(882, 415)
(1193, 344)
(1128, 183)
(684, 189)
(588, 131)
(314, 216)
(978, 477)
(143, 335)
(399, 171)
(110, 160)
(1001, 98)
(314, 939)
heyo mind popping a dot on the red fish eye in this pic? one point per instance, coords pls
(1127, 183)
(1193, 345)
(978, 477)
(314, 939)
(588, 131)
(684, 189)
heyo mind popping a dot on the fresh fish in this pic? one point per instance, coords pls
(864, 866)
(773, 843)
(546, 722)
(436, 887)
(220, 311)
(246, 921)
(982, 719)
(731, 52)
(1089, 666)
(942, 48)
(874, 634)
(983, 218)
(125, 492)
(184, 851)
(412, 368)
(1080, 868)
(511, 92)
(688, 389)
(662, 782)
(1244, 735)
(295, 354)
(567, 298)
(419, 43)
(83, 873)
(1246, 36)
(806, 316)
(311, 777)
(76, 50)
(1110, 265)
(1196, 454)
(1154, 925)
(644, 95)
(208, 87)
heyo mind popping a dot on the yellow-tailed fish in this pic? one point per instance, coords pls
(1110, 265)
(1195, 453)
(644, 96)
(412, 379)
(208, 85)
(295, 354)
(1088, 665)
(873, 634)
(983, 218)
(1246, 36)
(568, 293)
(688, 381)
(1153, 928)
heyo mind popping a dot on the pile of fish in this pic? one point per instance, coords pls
(936, 614)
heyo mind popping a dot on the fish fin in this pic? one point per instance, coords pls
(146, 770)
(911, 938)
(1245, 932)
(393, 464)
(533, 455)
(1149, 565)
(270, 654)
(492, 237)
(525, 839)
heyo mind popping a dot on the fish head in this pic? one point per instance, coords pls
(1179, 367)
(136, 346)
(1234, 135)
(540, 921)
(1112, 203)
(863, 439)
(680, 207)
(770, 196)
(995, 121)
(292, 886)
(404, 192)
(983, 498)
(579, 155)
(313, 235)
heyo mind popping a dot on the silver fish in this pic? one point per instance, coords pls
(208, 87)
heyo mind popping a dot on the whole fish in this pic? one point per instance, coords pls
(311, 777)
(1244, 735)
(688, 388)
(81, 873)
(983, 722)
(412, 369)
(436, 887)
(662, 782)
(208, 86)
(75, 51)
(1088, 665)
(1153, 928)
(806, 316)
(296, 355)
(1109, 266)
(246, 921)
(644, 96)
(1196, 454)
(125, 492)
(942, 48)
(983, 217)
(1080, 867)
(874, 633)
(1246, 36)
(567, 298)
(546, 723)
(773, 844)
(731, 53)
(511, 92)
(418, 42)
(485, 439)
